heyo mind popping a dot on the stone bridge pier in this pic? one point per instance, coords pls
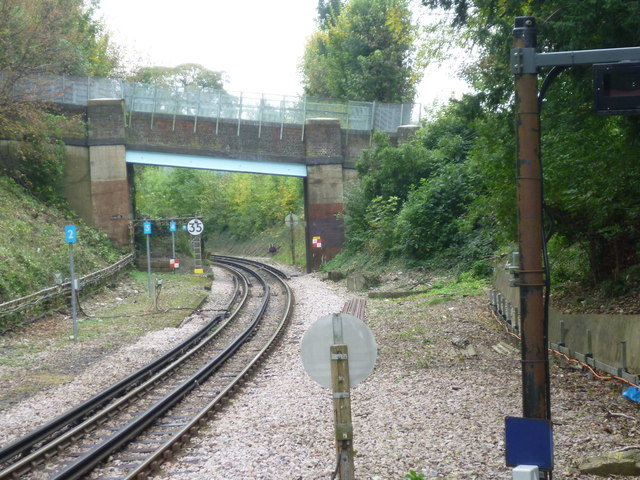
(324, 190)
(98, 179)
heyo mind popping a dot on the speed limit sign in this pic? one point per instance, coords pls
(195, 226)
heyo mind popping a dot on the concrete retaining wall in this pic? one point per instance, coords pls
(607, 331)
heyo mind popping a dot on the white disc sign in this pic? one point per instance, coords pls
(195, 226)
(326, 331)
(291, 220)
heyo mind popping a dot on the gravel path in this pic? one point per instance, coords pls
(435, 402)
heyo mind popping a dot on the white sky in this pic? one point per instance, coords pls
(259, 44)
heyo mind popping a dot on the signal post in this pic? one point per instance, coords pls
(614, 71)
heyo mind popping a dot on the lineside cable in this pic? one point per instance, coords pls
(572, 360)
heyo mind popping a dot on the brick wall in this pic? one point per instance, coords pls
(209, 137)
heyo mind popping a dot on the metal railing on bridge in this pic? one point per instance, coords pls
(218, 104)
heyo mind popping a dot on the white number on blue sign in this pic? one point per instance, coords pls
(70, 234)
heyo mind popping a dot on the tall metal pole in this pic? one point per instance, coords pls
(531, 274)
(74, 308)
(149, 268)
(293, 243)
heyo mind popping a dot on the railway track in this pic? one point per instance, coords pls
(128, 430)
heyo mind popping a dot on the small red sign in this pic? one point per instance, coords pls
(174, 263)
(316, 242)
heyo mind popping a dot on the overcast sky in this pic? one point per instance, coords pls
(258, 44)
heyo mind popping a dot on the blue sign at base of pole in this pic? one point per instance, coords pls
(70, 234)
(529, 441)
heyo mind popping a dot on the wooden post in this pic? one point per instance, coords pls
(342, 410)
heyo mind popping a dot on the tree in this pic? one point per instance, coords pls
(51, 36)
(180, 76)
(243, 205)
(44, 37)
(387, 171)
(328, 12)
(598, 212)
(429, 222)
(367, 53)
(415, 200)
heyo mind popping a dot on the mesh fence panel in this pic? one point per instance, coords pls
(205, 102)
(360, 115)
(104, 87)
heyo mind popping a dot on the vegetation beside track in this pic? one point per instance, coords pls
(32, 243)
(114, 317)
(258, 246)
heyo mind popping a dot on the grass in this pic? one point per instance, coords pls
(179, 294)
(445, 290)
(32, 245)
(112, 323)
(368, 265)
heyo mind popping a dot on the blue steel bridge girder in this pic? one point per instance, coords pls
(215, 163)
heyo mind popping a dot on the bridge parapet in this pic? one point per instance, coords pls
(200, 103)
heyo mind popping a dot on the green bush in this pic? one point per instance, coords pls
(429, 221)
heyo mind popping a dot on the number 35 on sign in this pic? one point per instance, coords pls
(195, 227)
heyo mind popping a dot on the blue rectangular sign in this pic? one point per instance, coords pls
(147, 228)
(70, 234)
(172, 226)
(529, 441)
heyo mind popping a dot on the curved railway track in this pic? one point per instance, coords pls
(130, 428)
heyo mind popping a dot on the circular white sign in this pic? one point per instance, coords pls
(317, 340)
(291, 219)
(195, 227)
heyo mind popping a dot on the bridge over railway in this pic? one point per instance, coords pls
(131, 123)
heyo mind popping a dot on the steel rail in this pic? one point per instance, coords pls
(182, 437)
(40, 443)
(75, 415)
(87, 462)
(255, 263)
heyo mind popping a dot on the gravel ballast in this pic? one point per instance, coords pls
(435, 402)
